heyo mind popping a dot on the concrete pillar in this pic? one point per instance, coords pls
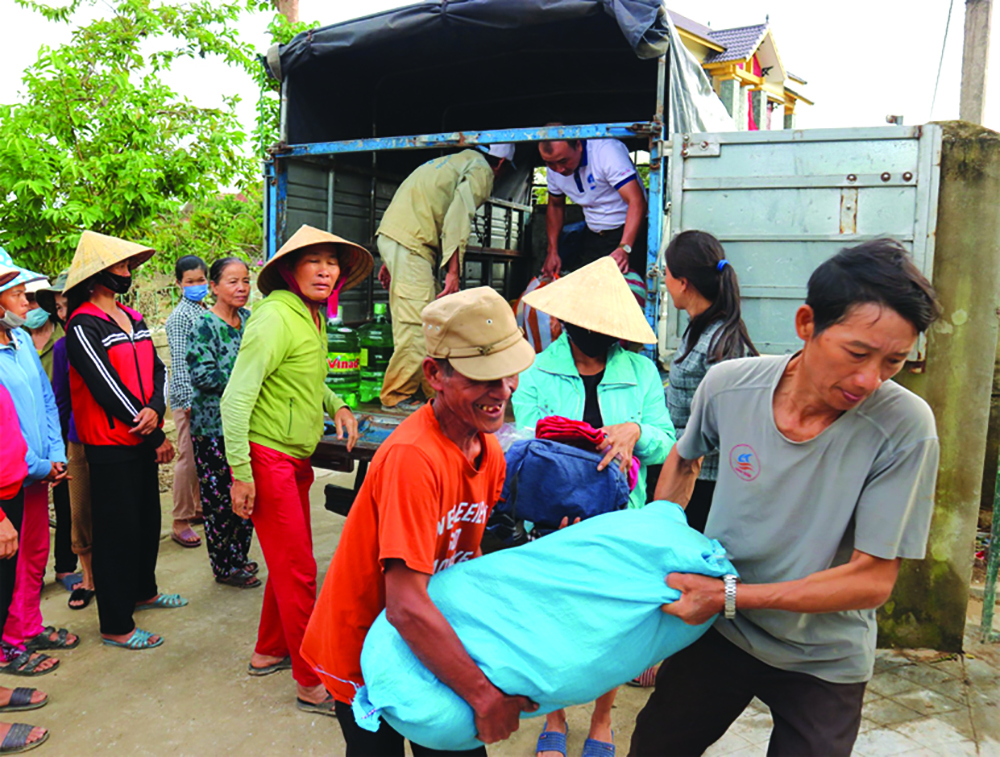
(789, 120)
(929, 604)
(742, 123)
(729, 93)
(975, 59)
(758, 106)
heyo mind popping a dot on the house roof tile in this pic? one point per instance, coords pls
(740, 43)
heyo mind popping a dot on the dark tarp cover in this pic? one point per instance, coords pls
(450, 65)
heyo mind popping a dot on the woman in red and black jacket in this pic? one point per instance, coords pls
(116, 384)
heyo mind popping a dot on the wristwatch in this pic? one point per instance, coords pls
(729, 581)
(627, 248)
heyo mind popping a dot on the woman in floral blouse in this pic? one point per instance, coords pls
(212, 348)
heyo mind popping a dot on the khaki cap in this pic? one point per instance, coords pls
(597, 298)
(477, 333)
(98, 252)
(355, 261)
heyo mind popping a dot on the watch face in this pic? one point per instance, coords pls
(627, 248)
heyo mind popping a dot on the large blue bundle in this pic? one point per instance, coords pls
(560, 620)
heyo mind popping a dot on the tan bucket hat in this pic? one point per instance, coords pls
(597, 298)
(97, 252)
(477, 333)
(355, 261)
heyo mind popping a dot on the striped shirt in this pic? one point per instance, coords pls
(685, 376)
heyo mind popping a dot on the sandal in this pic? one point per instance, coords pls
(20, 700)
(16, 739)
(251, 568)
(646, 679)
(80, 595)
(552, 741)
(139, 640)
(595, 748)
(44, 640)
(186, 540)
(285, 664)
(240, 579)
(70, 580)
(326, 707)
(163, 602)
(25, 664)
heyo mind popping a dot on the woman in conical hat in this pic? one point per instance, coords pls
(272, 418)
(116, 386)
(586, 375)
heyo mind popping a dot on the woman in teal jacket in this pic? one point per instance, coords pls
(586, 375)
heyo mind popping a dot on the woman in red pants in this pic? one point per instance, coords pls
(272, 419)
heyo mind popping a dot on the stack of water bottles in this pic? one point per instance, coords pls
(357, 360)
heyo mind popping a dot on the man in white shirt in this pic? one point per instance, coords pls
(599, 176)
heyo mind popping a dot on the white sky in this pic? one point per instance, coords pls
(863, 59)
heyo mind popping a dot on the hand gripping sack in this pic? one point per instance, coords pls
(548, 480)
(560, 620)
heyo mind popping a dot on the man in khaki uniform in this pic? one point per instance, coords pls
(427, 227)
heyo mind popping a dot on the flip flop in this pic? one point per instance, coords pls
(70, 580)
(552, 741)
(42, 640)
(646, 679)
(16, 739)
(139, 640)
(326, 707)
(20, 700)
(186, 542)
(163, 602)
(80, 595)
(25, 664)
(595, 748)
(240, 579)
(285, 664)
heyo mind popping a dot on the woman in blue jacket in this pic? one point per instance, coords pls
(586, 375)
(24, 377)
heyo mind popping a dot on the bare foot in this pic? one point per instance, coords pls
(555, 722)
(601, 732)
(264, 660)
(5, 694)
(51, 662)
(37, 733)
(313, 694)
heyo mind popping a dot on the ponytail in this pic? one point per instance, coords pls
(698, 257)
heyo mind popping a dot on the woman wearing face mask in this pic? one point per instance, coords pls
(44, 328)
(191, 274)
(586, 375)
(22, 374)
(116, 382)
(272, 418)
(212, 348)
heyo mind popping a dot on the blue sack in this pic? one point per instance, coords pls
(561, 620)
(547, 481)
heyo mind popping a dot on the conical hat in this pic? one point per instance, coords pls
(355, 261)
(97, 252)
(597, 298)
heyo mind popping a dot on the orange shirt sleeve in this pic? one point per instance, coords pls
(408, 500)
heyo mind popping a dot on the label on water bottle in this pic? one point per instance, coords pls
(342, 363)
(376, 358)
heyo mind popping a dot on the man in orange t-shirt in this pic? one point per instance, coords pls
(423, 508)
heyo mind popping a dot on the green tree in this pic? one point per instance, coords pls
(100, 142)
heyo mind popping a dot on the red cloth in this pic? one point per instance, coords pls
(578, 434)
(13, 468)
(281, 520)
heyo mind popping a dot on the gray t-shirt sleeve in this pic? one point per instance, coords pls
(893, 516)
(701, 435)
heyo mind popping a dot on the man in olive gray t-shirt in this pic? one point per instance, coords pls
(785, 510)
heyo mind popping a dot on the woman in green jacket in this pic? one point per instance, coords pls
(586, 375)
(272, 419)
